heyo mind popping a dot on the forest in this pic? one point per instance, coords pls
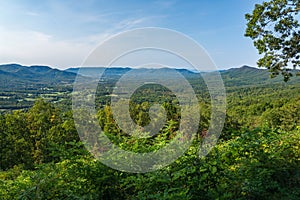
(256, 157)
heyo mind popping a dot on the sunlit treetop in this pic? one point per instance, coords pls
(274, 28)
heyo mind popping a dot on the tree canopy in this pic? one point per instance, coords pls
(274, 28)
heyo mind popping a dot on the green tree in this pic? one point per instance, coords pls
(274, 28)
(15, 147)
(41, 118)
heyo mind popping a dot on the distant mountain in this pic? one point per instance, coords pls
(14, 75)
(250, 76)
(18, 76)
(94, 71)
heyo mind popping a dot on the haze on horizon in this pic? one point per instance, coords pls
(61, 34)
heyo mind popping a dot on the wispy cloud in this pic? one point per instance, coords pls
(31, 47)
(42, 45)
(165, 3)
(129, 23)
(34, 47)
(30, 13)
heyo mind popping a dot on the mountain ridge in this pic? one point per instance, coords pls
(11, 74)
(14, 75)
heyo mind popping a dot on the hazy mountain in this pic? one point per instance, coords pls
(246, 76)
(14, 75)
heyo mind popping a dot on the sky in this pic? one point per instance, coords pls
(62, 34)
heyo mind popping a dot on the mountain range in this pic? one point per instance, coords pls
(15, 75)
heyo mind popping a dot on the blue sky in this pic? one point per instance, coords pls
(62, 33)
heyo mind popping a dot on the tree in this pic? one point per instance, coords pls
(41, 118)
(15, 146)
(274, 29)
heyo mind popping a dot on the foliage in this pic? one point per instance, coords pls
(82, 178)
(274, 28)
(259, 164)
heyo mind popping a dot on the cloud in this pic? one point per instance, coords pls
(30, 13)
(165, 4)
(31, 47)
(63, 34)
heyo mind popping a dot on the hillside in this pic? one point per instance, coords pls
(233, 77)
(18, 76)
(250, 76)
(14, 76)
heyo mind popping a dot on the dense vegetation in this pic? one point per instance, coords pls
(257, 156)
